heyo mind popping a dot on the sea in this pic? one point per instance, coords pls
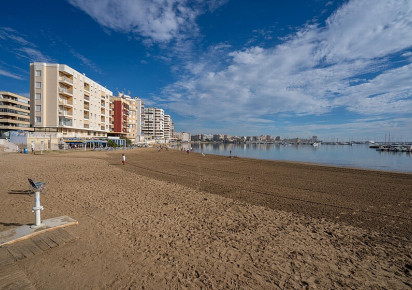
(356, 155)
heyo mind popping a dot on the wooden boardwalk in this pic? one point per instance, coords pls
(11, 276)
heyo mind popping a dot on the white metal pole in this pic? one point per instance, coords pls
(37, 207)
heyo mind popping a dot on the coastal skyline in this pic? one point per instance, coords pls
(301, 68)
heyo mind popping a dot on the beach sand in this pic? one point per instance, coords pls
(174, 220)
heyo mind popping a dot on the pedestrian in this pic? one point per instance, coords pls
(123, 159)
(32, 147)
(230, 153)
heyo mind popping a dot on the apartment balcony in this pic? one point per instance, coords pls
(65, 102)
(86, 117)
(86, 126)
(67, 92)
(14, 122)
(102, 128)
(86, 98)
(86, 108)
(65, 80)
(86, 87)
(65, 122)
(65, 113)
(103, 111)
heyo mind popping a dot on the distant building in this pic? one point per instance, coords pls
(168, 128)
(207, 137)
(14, 113)
(182, 136)
(153, 126)
(119, 117)
(126, 117)
(218, 137)
(66, 102)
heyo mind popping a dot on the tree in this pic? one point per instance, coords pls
(111, 143)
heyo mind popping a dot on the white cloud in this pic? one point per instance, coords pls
(157, 20)
(34, 55)
(21, 47)
(85, 61)
(345, 63)
(10, 75)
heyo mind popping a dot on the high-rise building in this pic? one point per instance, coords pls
(168, 128)
(14, 113)
(126, 117)
(119, 110)
(153, 127)
(67, 102)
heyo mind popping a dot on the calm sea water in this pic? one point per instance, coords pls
(359, 156)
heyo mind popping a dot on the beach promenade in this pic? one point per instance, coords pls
(174, 220)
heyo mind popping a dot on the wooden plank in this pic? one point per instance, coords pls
(23, 249)
(5, 257)
(56, 237)
(11, 277)
(40, 243)
(17, 254)
(48, 241)
(65, 235)
(33, 247)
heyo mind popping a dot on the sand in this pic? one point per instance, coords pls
(175, 220)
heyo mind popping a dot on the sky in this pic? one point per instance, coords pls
(290, 68)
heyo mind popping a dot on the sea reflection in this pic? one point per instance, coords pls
(357, 155)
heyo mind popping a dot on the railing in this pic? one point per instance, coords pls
(66, 102)
(66, 79)
(86, 117)
(65, 113)
(86, 98)
(66, 123)
(62, 90)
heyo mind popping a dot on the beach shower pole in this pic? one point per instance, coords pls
(37, 208)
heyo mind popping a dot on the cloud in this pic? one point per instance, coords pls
(85, 61)
(20, 46)
(156, 20)
(34, 55)
(10, 75)
(345, 63)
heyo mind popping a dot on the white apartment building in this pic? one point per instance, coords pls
(66, 102)
(168, 127)
(153, 127)
(135, 118)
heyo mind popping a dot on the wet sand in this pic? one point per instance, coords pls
(174, 220)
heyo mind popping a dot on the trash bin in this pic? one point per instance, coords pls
(25, 150)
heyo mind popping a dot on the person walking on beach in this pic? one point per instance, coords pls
(123, 159)
(32, 147)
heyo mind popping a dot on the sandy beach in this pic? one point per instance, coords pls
(174, 220)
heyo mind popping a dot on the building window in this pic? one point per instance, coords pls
(38, 119)
(37, 73)
(38, 85)
(37, 96)
(38, 108)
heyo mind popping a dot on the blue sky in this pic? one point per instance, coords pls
(335, 69)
